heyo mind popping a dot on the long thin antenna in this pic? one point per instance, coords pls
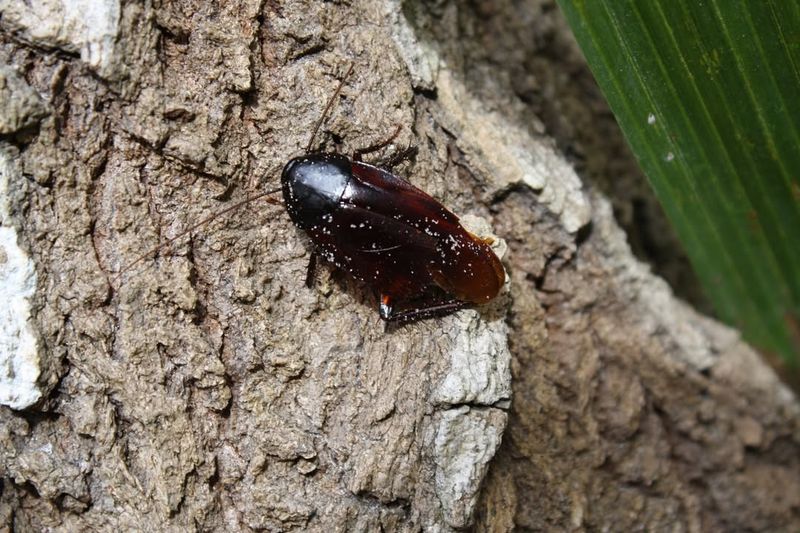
(328, 107)
(228, 209)
(194, 227)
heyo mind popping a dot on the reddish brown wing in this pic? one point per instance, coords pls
(462, 264)
(389, 255)
(468, 268)
(376, 189)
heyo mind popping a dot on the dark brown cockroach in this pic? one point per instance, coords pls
(389, 234)
(384, 232)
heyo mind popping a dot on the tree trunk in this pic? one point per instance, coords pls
(207, 388)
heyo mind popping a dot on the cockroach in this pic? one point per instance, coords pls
(383, 231)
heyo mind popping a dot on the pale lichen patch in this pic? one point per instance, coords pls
(87, 27)
(19, 354)
(466, 440)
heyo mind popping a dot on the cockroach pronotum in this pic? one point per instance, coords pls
(383, 231)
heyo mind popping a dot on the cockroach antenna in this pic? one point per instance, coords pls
(328, 107)
(196, 226)
(382, 230)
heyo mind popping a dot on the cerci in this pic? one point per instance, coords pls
(389, 234)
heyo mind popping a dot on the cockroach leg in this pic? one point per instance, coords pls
(427, 311)
(405, 155)
(377, 146)
(311, 270)
(385, 308)
(272, 201)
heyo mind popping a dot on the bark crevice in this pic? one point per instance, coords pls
(209, 388)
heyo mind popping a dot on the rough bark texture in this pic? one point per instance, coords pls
(208, 389)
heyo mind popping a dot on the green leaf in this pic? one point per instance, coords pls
(708, 96)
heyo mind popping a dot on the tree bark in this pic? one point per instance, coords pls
(207, 388)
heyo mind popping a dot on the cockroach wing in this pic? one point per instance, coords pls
(468, 268)
(376, 189)
(464, 266)
(387, 254)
